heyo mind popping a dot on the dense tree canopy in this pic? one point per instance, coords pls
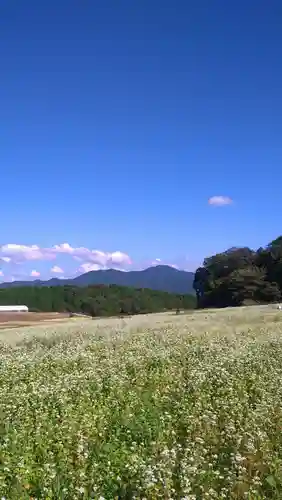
(240, 276)
(96, 300)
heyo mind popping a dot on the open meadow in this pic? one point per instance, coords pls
(163, 406)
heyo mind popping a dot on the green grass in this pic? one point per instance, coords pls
(163, 406)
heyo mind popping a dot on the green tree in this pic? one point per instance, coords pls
(95, 300)
(240, 275)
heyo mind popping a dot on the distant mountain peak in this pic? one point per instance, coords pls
(161, 277)
(164, 266)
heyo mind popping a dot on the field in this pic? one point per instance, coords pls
(164, 406)
(17, 319)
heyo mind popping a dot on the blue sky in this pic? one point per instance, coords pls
(120, 120)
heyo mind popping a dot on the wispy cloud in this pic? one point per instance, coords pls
(35, 274)
(57, 270)
(220, 201)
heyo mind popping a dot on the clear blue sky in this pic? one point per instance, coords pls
(120, 119)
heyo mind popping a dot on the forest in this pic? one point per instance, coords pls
(240, 276)
(98, 300)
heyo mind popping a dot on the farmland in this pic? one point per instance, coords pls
(17, 319)
(164, 406)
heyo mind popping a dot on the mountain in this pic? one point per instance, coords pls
(164, 278)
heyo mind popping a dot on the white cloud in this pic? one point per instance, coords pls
(17, 253)
(63, 248)
(119, 258)
(1, 273)
(93, 256)
(56, 270)
(87, 266)
(6, 259)
(34, 274)
(20, 253)
(220, 201)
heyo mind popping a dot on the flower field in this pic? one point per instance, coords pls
(163, 406)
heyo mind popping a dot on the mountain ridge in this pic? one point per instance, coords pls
(162, 277)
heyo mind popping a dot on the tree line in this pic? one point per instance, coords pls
(240, 276)
(101, 300)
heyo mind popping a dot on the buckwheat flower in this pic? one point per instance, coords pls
(81, 490)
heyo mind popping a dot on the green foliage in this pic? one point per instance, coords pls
(239, 276)
(101, 300)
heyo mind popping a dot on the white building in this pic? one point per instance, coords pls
(13, 309)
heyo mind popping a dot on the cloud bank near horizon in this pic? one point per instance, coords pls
(14, 257)
(18, 261)
(12, 252)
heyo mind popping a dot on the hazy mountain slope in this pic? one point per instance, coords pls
(163, 278)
